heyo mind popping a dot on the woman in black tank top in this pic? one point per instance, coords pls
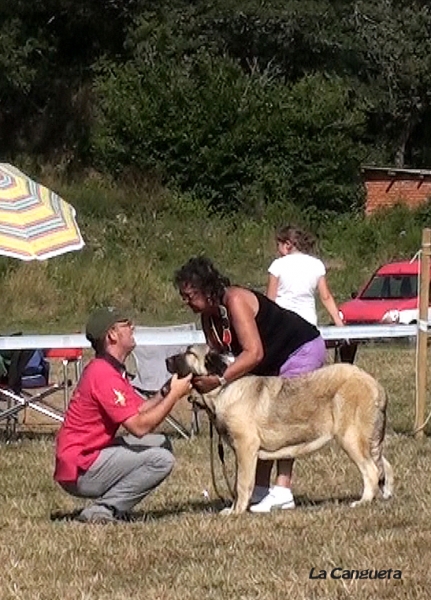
(260, 335)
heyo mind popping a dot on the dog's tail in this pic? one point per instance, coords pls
(386, 475)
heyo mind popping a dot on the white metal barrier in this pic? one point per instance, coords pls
(164, 336)
(147, 337)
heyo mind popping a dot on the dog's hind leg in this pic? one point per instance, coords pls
(387, 486)
(386, 474)
(358, 449)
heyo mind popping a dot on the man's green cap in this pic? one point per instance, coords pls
(101, 321)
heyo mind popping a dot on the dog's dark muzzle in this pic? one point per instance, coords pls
(177, 364)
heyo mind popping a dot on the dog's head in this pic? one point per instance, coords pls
(198, 360)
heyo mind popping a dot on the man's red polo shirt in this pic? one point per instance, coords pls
(102, 401)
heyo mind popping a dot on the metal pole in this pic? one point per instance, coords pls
(422, 334)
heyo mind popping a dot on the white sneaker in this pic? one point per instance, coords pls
(258, 494)
(277, 498)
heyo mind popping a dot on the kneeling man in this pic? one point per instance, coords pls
(91, 461)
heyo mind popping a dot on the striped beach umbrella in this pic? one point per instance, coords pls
(35, 223)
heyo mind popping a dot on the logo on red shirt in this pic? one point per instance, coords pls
(120, 398)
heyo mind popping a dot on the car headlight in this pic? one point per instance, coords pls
(391, 316)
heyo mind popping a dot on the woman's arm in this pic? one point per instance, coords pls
(328, 301)
(272, 287)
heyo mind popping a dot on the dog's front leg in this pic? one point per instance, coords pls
(246, 458)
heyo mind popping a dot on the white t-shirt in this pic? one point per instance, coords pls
(298, 275)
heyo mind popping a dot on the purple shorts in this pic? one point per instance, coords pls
(308, 357)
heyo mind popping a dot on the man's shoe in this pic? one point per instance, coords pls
(96, 513)
(277, 498)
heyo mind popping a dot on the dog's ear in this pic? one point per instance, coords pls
(214, 363)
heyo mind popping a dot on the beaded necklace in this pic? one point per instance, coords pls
(226, 339)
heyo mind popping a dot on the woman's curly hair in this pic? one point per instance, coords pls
(200, 273)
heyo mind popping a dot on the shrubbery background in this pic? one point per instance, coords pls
(238, 102)
(181, 127)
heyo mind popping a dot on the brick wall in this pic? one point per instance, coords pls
(385, 190)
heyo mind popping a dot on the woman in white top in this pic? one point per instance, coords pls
(296, 276)
(293, 281)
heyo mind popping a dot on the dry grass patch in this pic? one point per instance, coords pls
(184, 550)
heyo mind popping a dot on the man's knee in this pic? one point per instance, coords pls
(159, 459)
(167, 459)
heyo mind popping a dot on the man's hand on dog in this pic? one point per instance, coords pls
(179, 386)
(205, 384)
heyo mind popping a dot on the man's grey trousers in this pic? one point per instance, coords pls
(124, 473)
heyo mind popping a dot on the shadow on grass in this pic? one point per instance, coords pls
(321, 503)
(206, 507)
(176, 509)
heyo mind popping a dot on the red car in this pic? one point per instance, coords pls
(390, 296)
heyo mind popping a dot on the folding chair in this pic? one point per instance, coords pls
(152, 373)
(68, 356)
(18, 399)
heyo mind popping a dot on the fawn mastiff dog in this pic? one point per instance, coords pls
(274, 418)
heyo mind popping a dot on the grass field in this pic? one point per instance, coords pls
(180, 548)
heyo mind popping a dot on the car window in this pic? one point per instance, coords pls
(387, 287)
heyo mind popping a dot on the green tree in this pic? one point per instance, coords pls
(47, 48)
(392, 42)
(239, 140)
